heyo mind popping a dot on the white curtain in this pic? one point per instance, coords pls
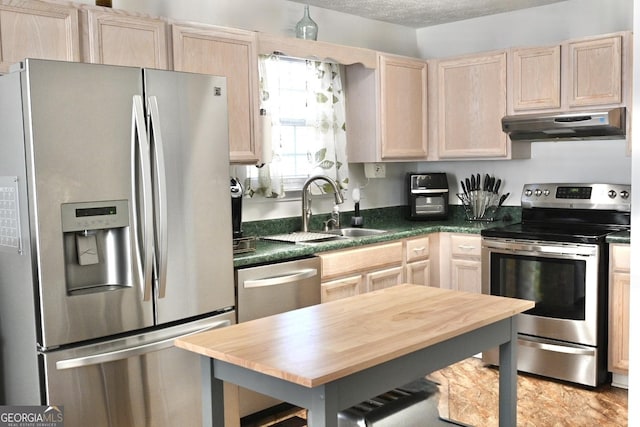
(326, 149)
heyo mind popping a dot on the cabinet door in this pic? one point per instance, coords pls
(466, 276)
(117, 38)
(535, 78)
(419, 272)
(37, 30)
(464, 265)
(342, 288)
(471, 103)
(619, 323)
(619, 293)
(403, 107)
(595, 72)
(383, 279)
(230, 53)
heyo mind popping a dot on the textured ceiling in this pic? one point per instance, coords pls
(424, 13)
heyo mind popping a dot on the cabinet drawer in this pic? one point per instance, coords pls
(465, 245)
(417, 249)
(620, 260)
(340, 263)
(342, 288)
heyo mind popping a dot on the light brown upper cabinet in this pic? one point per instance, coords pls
(534, 82)
(119, 38)
(230, 53)
(471, 101)
(387, 110)
(33, 29)
(574, 75)
(595, 72)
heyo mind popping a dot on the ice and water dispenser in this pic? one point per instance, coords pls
(96, 246)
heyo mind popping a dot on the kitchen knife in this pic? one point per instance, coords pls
(492, 182)
(485, 184)
(478, 181)
(502, 199)
(464, 190)
(473, 182)
(468, 184)
(497, 187)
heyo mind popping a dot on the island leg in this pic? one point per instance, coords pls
(212, 395)
(508, 381)
(324, 409)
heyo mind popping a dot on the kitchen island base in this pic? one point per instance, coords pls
(338, 354)
(325, 401)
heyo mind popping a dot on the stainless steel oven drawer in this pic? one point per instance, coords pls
(414, 405)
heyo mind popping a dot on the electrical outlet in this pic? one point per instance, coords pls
(375, 170)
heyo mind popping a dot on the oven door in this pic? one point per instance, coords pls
(562, 279)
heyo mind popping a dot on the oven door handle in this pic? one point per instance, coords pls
(567, 349)
(542, 249)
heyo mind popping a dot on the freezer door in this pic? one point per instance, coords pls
(78, 142)
(138, 381)
(188, 130)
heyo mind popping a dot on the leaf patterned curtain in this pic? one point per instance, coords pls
(325, 112)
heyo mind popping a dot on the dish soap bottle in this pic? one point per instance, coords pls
(356, 219)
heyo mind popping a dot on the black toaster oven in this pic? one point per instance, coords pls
(428, 195)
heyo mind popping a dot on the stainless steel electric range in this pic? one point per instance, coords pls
(558, 257)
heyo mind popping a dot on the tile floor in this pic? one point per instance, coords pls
(469, 394)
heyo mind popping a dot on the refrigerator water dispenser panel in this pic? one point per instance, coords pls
(96, 246)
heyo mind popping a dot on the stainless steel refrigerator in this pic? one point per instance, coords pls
(115, 238)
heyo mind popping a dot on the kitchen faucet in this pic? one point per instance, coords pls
(306, 202)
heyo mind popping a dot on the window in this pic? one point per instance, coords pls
(304, 106)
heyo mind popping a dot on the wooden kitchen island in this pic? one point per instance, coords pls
(331, 356)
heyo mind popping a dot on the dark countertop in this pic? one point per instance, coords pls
(390, 219)
(619, 237)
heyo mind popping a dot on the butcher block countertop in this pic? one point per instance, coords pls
(319, 344)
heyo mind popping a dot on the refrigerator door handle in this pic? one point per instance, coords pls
(141, 194)
(126, 353)
(160, 193)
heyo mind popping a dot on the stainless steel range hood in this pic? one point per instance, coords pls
(596, 124)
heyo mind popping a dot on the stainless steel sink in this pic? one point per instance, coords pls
(315, 237)
(356, 232)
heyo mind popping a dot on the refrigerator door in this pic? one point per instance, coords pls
(78, 141)
(188, 130)
(141, 380)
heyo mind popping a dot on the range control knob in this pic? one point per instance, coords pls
(546, 192)
(538, 192)
(528, 193)
(624, 194)
(612, 194)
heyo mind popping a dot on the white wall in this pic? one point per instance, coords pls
(535, 26)
(280, 17)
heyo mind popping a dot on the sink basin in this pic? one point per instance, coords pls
(356, 232)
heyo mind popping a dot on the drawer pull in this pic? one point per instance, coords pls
(419, 250)
(466, 247)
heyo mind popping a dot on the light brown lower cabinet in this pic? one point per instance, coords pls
(418, 272)
(348, 272)
(417, 260)
(619, 287)
(460, 265)
(342, 288)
